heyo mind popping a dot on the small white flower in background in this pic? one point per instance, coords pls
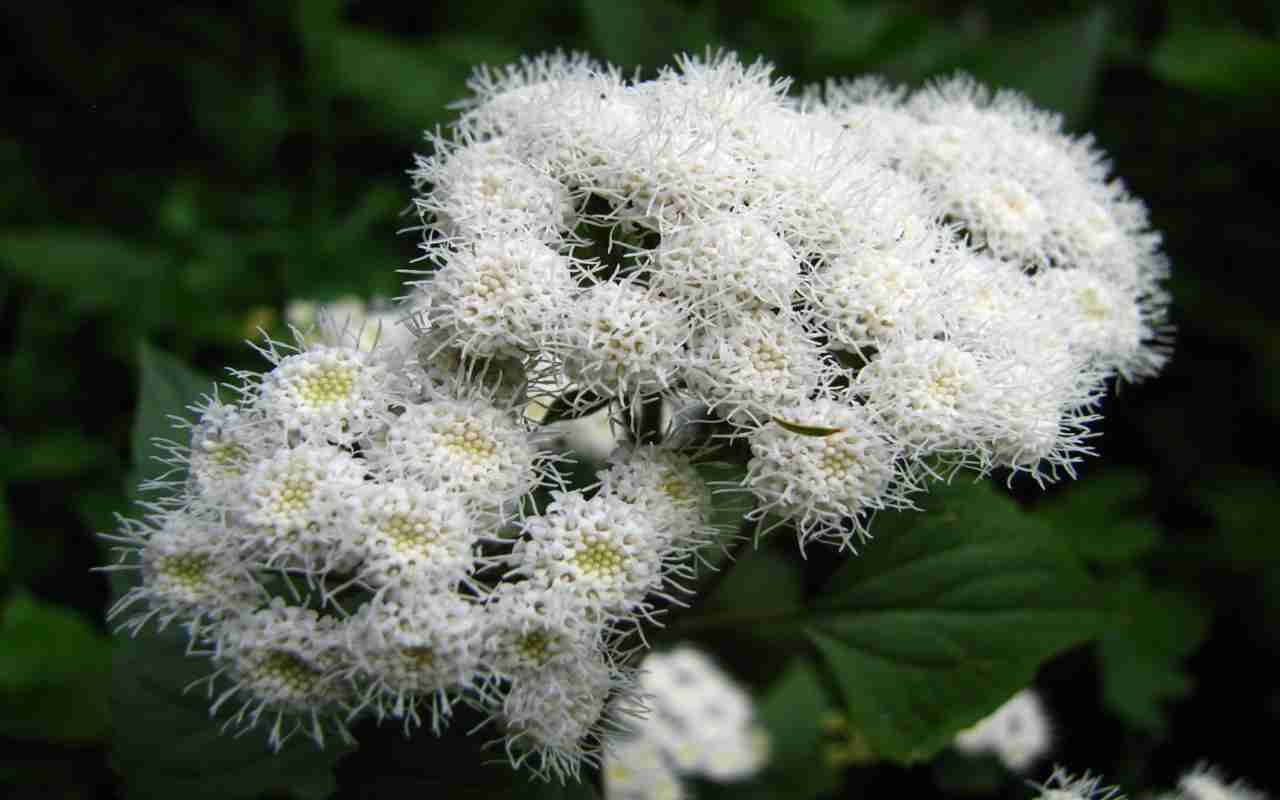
(697, 722)
(636, 768)
(857, 289)
(1208, 783)
(368, 325)
(1018, 732)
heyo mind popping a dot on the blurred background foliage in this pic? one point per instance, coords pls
(176, 174)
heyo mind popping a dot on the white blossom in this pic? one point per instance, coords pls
(750, 368)
(1018, 732)
(417, 654)
(826, 484)
(620, 339)
(605, 551)
(285, 665)
(494, 296)
(847, 293)
(412, 539)
(481, 188)
(466, 446)
(666, 484)
(1207, 783)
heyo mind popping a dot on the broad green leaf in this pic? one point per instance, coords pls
(166, 745)
(1222, 61)
(647, 34)
(945, 614)
(54, 670)
(761, 582)
(54, 455)
(167, 388)
(1056, 65)
(1150, 632)
(740, 591)
(1244, 504)
(1102, 517)
(407, 86)
(794, 711)
(841, 33)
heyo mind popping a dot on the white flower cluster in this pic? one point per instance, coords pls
(1017, 733)
(852, 288)
(699, 723)
(928, 281)
(348, 539)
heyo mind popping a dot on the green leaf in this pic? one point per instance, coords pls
(57, 454)
(168, 387)
(406, 86)
(646, 34)
(1102, 517)
(794, 711)
(763, 582)
(54, 669)
(166, 744)
(1222, 61)
(95, 272)
(1150, 633)
(1244, 504)
(739, 592)
(945, 614)
(1056, 65)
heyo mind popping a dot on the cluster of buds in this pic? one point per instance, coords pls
(846, 292)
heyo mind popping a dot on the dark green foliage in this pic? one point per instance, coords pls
(946, 614)
(168, 389)
(166, 744)
(54, 671)
(1150, 632)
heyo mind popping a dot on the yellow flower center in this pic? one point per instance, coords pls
(326, 384)
(228, 457)
(409, 533)
(468, 441)
(288, 674)
(421, 658)
(600, 559)
(188, 569)
(838, 460)
(294, 495)
(535, 646)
